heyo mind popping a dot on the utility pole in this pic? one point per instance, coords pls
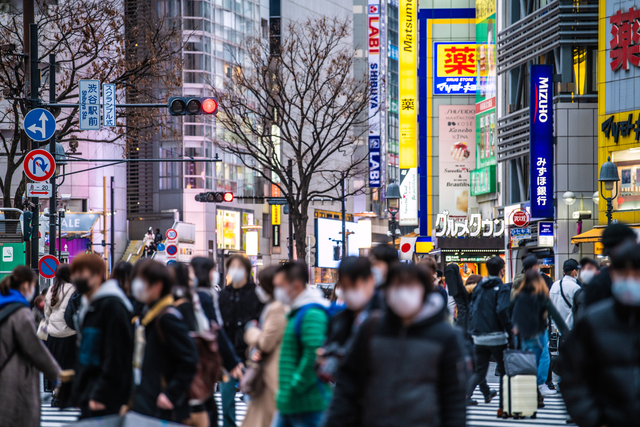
(290, 175)
(33, 103)
(344, 219)
(53, 204)
(113, 221)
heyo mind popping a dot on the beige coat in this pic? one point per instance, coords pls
(20, 379)
(57, 327)
(267, 340)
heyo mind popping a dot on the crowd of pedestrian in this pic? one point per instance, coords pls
(397, 344)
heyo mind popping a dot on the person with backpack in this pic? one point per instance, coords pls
(489, 324)
(103, 376)
(563, 291)
(22, 355)
(407, 364)
(302, 397)
(529, 308)
(166, 357)
(61, 339)
(358, 286)
(264, 340)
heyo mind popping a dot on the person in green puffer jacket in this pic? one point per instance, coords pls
(301, 398)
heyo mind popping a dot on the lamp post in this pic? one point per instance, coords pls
(608, 179)
(393, 206)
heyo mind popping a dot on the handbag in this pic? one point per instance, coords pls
(519, 362)
(43, 330)
(252, 383)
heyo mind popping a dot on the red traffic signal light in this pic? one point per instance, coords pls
(191, 106)
(228, 197)
(209, 105)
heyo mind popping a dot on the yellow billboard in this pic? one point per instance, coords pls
(275, 214)
(408, 83)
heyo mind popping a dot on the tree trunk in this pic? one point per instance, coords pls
(300, 230)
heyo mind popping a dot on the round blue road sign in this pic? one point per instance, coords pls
(39, 124)
(161, 247)
(171, 261)
(47, 266)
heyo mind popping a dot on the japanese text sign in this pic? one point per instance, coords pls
(89, 94)
(625, 42)
(408, 83)
(455, 68)
(374, 93)
(109, 104)
(541, 141)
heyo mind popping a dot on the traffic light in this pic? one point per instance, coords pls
(214, 197)
(191, 105)
(27, 227)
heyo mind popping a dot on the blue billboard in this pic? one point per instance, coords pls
(541, 141)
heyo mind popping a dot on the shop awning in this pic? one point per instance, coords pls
(593, 235)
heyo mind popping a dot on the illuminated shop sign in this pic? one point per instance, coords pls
(473, 226)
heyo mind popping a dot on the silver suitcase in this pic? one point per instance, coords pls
(520, 397)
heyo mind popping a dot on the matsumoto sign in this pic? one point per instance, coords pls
(472, 226)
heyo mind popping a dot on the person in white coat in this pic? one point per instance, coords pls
(563, 291)
(61, 339)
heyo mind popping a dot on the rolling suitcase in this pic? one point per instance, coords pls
(520, 397)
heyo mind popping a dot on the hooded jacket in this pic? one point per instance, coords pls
(55, 314)
(103, 369)
(299, 388)
(25, 357)
(490, 322)
(403, 375)
(237, 307)
(599, 365)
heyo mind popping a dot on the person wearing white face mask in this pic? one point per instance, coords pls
(409, 347)
(22, 355)
(599, 359)
(589, 269)
(264, 340)
(357, 283)
(382, 257)
(239, 305)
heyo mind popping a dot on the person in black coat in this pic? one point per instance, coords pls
(167, 358)
(599, 361)
(239, 304)
(456, 289)
(406, 366)
(103, 376)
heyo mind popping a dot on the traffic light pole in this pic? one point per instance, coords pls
(53, 204)
(35, 86)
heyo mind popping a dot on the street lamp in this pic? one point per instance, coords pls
(608, 179)
(393, 206)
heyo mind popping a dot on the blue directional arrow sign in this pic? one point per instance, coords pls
(39, 124)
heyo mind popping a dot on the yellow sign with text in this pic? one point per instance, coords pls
(484, 9)
(408, 83)
(456, 60)
(275, 214)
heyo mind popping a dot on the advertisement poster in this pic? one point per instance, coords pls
(408, 84)
(486, 87)
(457, 150)
(455, 68)
(541, 136)
(483, 180)
(409, 196)
(374, 93)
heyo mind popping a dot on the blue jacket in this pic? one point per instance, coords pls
(13, 296)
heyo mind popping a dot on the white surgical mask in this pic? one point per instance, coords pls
(138, 290)
(377, 275)
(586, 276)
(262, 295)
(31, 294)
(280, 294)
(405, 301)
(356, 299)
(215, 278)
(627, 291)
(236, 275)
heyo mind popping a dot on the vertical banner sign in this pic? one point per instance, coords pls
(275, 214)
(374, 93)
(486, 87)
(408, 84)
(89, 94)
(109, 104)
(541, 141)
(408, 111)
